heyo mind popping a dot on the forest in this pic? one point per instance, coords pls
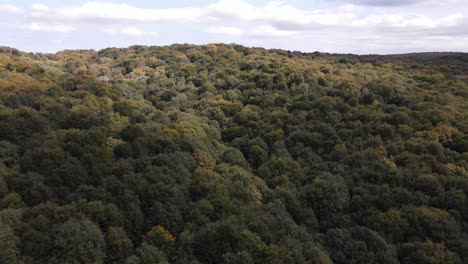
(226, 154)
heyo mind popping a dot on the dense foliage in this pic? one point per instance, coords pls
(226, 154)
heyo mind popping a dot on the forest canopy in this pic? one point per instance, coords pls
(228, 154)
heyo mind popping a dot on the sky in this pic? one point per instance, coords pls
(336, 26)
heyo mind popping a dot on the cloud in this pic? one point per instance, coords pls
(43, 27)
(128, 31)
(103, 11)
(400, 3)
(39, 8)
(263, 31)
(132, 31)
(232, 9)
(275, 18)
(385, 2)
(223, 10)
(355, 18)
(239, 10)
(224, 30)
(10, 9)
(337, 25)
(270, 31)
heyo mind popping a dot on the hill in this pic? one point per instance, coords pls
(227, 154)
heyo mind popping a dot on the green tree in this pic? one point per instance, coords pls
(9, 253)
(78, 241)
(328, 196)
(119, 247)
(150, 255)
(159, 237)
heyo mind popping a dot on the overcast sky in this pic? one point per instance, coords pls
(341, 26)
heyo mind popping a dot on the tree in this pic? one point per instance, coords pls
(150, 255)
(427, 252)
(250, 242)
(12, 200)
(328, 196)
(393, 224)
(3, 186)
(159, 237)
(358, 245)
(119, 247)
(78, 241)
(9, 253)
(235, 157)
(241, 257)
(228, 154)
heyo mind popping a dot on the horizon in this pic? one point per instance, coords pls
(250, 47)
(381, 27)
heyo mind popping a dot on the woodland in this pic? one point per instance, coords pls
(227, 154)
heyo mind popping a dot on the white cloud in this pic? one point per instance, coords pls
(232, 9)
(10, 9)
(224, 30)
(385, 2)
(400, 3)
(335, 25)
(132, 31)
(276, 18)
(42, 27)
(263, 31)
(102, 11)
(270, 31)
(128, 31)
(40, 8)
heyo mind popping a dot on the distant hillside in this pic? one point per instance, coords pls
(228, 154)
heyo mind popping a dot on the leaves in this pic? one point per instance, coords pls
(228, 154)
